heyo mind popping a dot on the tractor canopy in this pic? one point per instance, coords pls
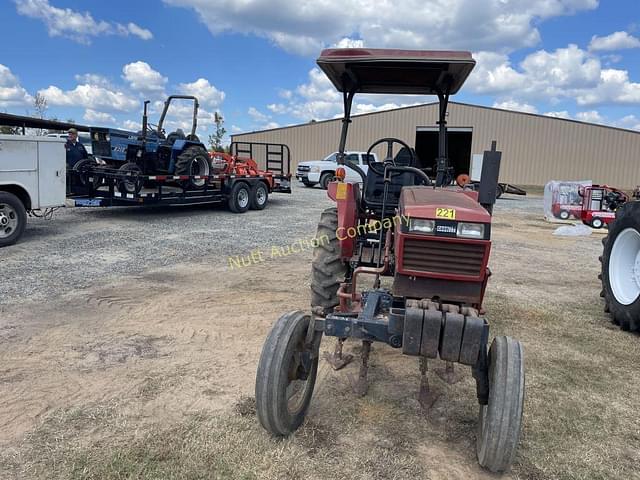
(400, 72)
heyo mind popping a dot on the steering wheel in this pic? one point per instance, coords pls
(389, 158)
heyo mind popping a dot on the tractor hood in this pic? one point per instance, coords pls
(449, 204)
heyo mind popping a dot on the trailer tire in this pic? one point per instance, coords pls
(194, 161)
(13, 219)
(327, 269)
(259, 196)
(619, 273)
(325, 179)
(240, 198)
(500, 421)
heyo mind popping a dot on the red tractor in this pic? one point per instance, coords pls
(432, 241)
(599, 204)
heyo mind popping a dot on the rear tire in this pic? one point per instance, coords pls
(13, 219)
(325, 179)
(620, 272)
(240, 198)
(259, 196)
(500, 421)
(194, 161)
(283, 385)
(327, 270)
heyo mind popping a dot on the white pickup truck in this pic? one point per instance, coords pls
(32, 177)
(323, 171)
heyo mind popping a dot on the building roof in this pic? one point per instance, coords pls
(537, 115)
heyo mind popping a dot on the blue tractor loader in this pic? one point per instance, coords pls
(151, 151)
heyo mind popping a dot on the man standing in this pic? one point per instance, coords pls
(75, 149)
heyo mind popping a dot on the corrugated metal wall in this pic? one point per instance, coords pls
(535, 149)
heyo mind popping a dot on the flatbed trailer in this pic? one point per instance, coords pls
(99, 186)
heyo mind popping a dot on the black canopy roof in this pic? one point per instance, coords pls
(9, 120)
(419, 72)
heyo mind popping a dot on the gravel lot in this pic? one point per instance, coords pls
(82, 247)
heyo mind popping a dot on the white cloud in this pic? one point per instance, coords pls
(12, 94)
(271, 125)
(236, 129)
(90, 96)
(561, 114)
(207, 94)
(131, 125)
(98, 118)
(257, 115)
(615, 41)
(516, 106)
(143, 78)
(78, 26)
(305, 26)
(347, 42)
(630, 121)
(93, 79)
(592, 116)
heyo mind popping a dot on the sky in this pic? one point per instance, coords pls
(253, 61)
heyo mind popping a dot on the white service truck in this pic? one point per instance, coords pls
(323, 171)
(32, 179)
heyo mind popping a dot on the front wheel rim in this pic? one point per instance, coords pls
(8, 220)
(624, 267)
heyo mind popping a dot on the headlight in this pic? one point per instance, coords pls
(421, 226)
(470, 230)
(315, 169)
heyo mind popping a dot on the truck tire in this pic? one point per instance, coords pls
(194, 161)
(327, 269)
(325, 179)
(308, 184)
(620, 274)
(240, 198)
(13, 219)
(259, 196)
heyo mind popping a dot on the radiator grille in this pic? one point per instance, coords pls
(443, 257)
(102, 149)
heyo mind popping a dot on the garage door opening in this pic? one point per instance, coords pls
(459, 140)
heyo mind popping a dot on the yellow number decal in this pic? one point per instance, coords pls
(449, 213)
(341, 192)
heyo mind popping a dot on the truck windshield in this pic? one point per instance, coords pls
(331, 158)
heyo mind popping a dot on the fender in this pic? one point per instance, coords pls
(346, 196)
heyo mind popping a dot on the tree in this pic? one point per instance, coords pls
(215, 139)
(9, 130)
(40, 105)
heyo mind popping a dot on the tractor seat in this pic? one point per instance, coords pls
(374, 184)
(177, 135)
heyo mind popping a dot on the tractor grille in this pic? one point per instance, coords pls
(101, 149)
(436, 256)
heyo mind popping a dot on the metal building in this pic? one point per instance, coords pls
(535, 148)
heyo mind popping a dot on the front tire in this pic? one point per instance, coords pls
(13, 219)
(620, 273)
(327, 269)
(564, 215)
(286, 375)
(597, 222)
(325, 180)
(240, 198)
(500, 421)
(259, 196)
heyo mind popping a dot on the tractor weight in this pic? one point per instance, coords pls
(451, 338)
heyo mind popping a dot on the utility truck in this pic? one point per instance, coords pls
(32, 181)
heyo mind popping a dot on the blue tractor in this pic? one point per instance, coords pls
(151, 151)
